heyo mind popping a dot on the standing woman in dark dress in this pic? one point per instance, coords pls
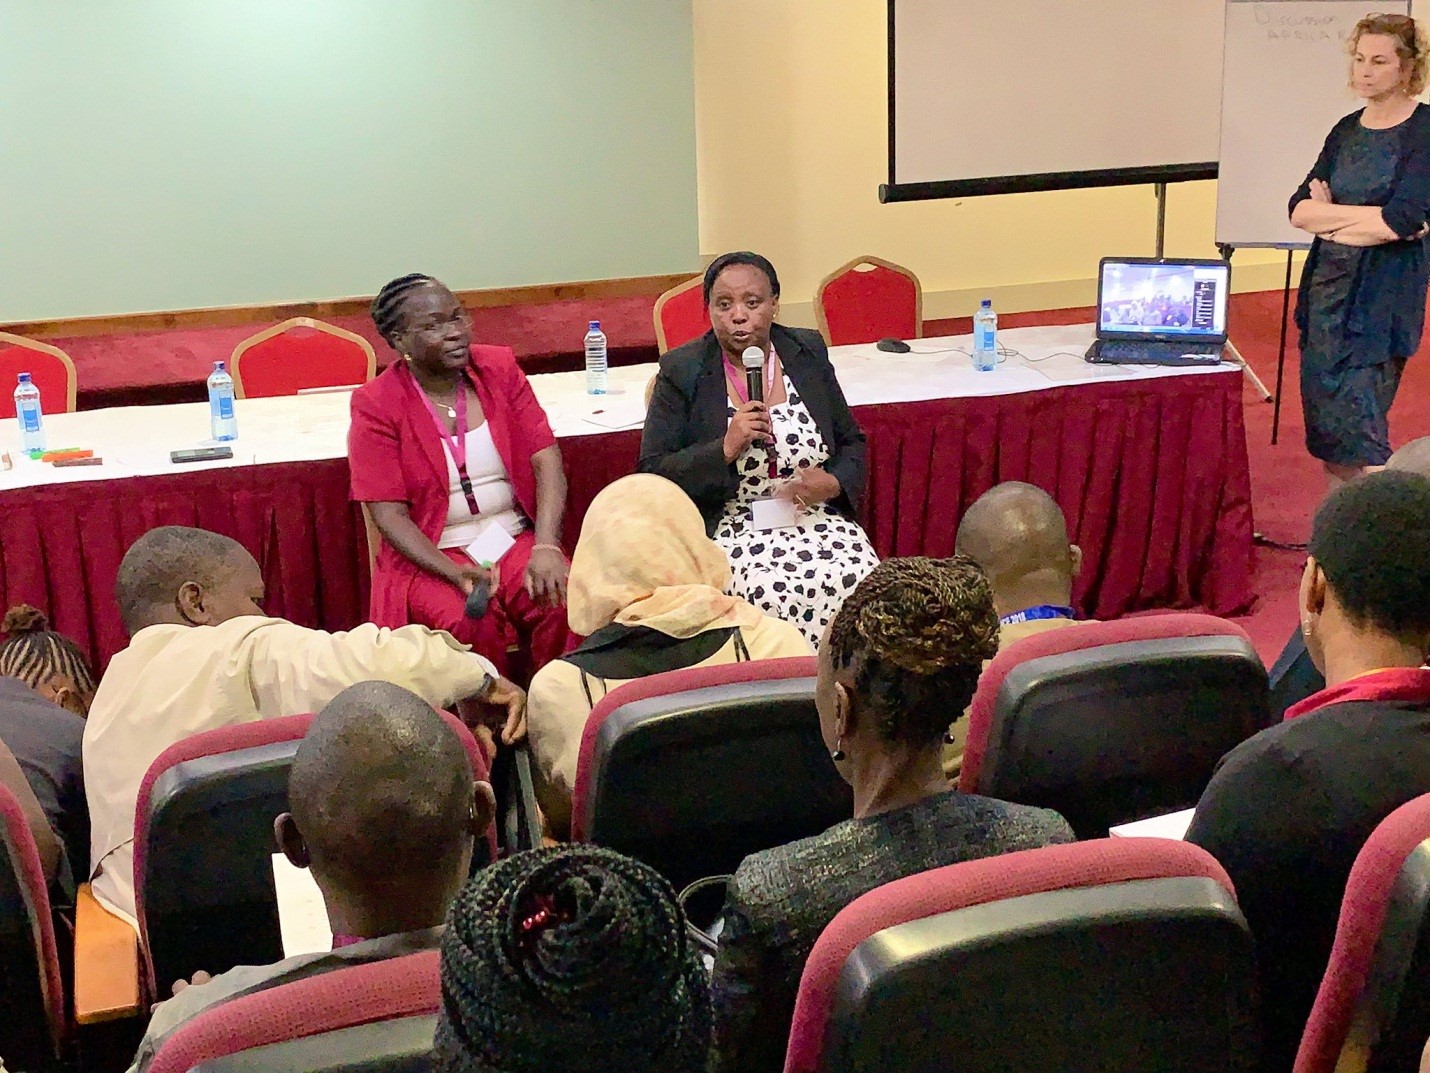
(1362, 302)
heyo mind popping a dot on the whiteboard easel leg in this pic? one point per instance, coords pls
(1235, 355)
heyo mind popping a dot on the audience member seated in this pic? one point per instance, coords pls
(384, 812)
(449, 447)
(47, 843)
(1017, 534)
(202, 655)
(800, 445)
(905, 649)
(46, 686)
(570, 960)
(1293, 676)
(1288, 810)
(647, 586)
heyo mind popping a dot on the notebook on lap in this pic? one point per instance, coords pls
(1160, 312)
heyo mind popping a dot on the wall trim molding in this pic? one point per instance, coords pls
(239, 316)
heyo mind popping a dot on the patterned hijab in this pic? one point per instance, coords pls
(643, 559)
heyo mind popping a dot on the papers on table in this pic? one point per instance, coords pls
(302, 914)
(615, 411)
(1173, 825)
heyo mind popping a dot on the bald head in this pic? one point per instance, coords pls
(1017, 534)
(381, 786)
(187, 576)
(1414, 457)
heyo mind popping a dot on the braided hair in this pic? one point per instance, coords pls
(916, 633)
(387, 306)
(571, 958)
(33, 652)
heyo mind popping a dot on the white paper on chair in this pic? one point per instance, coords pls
(1173, 825)
(302, 914)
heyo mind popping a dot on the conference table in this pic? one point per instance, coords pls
(1148, 464)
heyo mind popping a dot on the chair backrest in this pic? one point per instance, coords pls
(300, 353)
(1110, 954)
(680, 315)
(869, 299)
(691, 771)
(1109, 722)
(1373, 1007)
(203, 846)
(32, 1002)
(301, 1025)
(50, 369)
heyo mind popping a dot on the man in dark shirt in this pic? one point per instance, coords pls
(46, 741)
(1288, 810)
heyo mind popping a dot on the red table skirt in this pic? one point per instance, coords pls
(1151, 474)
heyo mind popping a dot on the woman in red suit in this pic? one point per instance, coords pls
(450, 450)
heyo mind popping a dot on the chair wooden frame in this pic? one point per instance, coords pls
(296, 322)
(849, 266)
(689, 284)
(9, 339)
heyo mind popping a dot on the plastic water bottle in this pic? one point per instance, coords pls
(595, 359)
(985, 337)
(221, 419)
(27, 410)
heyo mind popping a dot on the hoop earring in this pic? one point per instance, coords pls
(838, 753)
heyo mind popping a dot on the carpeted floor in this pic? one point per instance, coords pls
(1286, 483)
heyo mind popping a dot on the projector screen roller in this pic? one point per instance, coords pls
(997, 96)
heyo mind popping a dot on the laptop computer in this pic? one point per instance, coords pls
(1154, 311)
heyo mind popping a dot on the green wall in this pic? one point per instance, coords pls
(176, 154)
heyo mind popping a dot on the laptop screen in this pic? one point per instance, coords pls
(1165, 299)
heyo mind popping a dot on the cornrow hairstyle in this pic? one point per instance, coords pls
(33, 652)
(1371, 538)
(387, 306)
(916, 633)
(739, 257)
(570, 959)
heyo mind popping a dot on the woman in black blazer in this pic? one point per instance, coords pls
(778, 481)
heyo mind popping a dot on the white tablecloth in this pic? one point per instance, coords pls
(135, 441)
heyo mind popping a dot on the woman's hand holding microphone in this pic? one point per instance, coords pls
(751, 424)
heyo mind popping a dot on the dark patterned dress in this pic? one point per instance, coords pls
(802, 573)
(1346, 402)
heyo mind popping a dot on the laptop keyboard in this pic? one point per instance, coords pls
(1118, 352)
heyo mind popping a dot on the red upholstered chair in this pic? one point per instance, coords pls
(1106, 955)
(869, 299)
(693, 770)
(1373, 1008)
(32, 1000)
(1109, 722)
(50, 369)
(297, 354)
(680, 315)
(203, 846)
(317, 1023)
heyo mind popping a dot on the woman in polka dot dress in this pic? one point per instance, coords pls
(800, 446)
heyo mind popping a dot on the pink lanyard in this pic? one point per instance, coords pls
(736, 377)
(456, 441)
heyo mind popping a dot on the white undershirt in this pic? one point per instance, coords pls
(496, 500)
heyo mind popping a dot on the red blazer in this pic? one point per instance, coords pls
(396, 456)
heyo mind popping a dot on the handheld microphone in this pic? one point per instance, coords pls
(753, 358)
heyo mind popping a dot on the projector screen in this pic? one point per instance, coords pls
(998, 96)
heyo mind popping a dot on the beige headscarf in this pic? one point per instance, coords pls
(643, 559)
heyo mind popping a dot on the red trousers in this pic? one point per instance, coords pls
(513, 618)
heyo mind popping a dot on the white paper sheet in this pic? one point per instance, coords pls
(493, 542)
(773, 513)
(1173, 825)
(302, 914)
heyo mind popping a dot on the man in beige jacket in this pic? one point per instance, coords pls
(203, 655)
(1016, 532)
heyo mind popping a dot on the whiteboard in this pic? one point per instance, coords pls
(990, 96)
(1284, 85)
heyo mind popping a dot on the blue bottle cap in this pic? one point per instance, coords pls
(218, 367)
(987, 303)
(594, 326)
(24, 378)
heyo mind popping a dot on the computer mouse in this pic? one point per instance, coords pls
(893, 346)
